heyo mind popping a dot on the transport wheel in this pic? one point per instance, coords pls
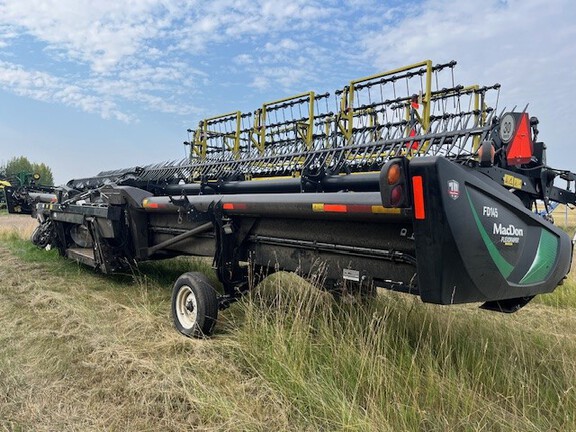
(194, 305)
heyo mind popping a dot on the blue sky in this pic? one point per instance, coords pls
(88, 85)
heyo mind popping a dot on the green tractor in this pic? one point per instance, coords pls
(20, 192)
(3, 183)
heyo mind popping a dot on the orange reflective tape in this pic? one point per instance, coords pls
(228, 206)
(418, 192)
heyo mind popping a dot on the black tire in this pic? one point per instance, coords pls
(194, 305)
(43, 234)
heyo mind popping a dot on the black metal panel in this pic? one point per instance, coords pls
(478, 242)
(337, 264)
(381, 236)
(15, 202)
(74, 218)
(102, 211)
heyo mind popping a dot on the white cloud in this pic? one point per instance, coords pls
(288, 77)
(282, 45)
(516, 39)
(220, 20)
(243, 59)
(99, 33)
(116, 40)
(136, 50)
(44, 87)
(260, 82)
(526, 45)
(6, 35)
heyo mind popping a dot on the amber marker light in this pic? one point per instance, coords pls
(393, 174)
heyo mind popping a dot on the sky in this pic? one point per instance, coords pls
(87, 86)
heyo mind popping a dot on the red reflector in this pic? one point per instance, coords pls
(520, 149)
(234, 206)
(336, 208)
(396, 196)
(152, 205)
(418, 190)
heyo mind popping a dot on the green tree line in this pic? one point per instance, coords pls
(21, 168)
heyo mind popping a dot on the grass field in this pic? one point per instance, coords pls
(83, 351)
(564, 217)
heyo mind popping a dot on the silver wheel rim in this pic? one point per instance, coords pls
(186, 300)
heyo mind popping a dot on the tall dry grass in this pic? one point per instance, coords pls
(565, 217)
(16, 226)
(83, 351)
(396, 364)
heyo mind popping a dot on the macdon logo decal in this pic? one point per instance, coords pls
(510, 235)
(453, 189)
(509, 230)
